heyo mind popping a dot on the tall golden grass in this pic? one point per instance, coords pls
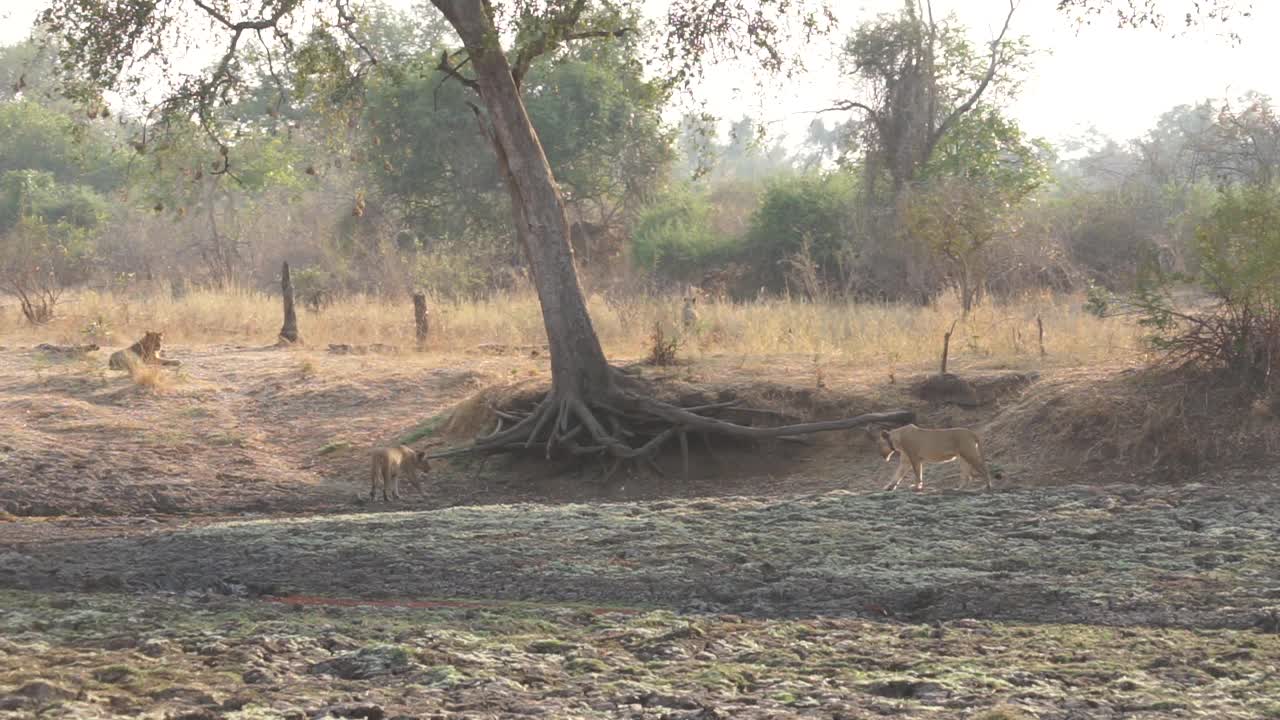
(852, 332)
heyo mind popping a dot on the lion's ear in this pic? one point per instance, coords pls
(884, 434)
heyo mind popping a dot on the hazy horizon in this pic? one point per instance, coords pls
(1118, 81)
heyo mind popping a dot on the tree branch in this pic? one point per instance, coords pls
(454, 71)
(847, 105)
(345, 22)
(266, 23)
(547, 40)
(973, 98)
(557, 32)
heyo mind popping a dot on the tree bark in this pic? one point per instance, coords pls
(289, 331)
(579, 369)
(420, 318)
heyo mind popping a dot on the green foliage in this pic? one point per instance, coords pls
(917, 79)
(1239, 247)
(37, 194)
(971, 190)
(179, 171)
(1098, 300)
(600, 123)
(28, 69)
(452, 275)
(35, 137)
(985, 145)
(805, 214)
(675, 238)
(425, 151)
(38, 260)
(424, 429)
(313, 286)
(597, 117)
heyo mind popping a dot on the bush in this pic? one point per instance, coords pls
(452, 276)
(38, 261)
(803, 226)
(314, 287)
(1239, 257)
(37, 194)
(675, 236)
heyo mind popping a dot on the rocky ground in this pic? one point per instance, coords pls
(194, 657)
(1065, 603)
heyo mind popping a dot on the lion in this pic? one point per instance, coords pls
(390, 464)
(918, 446)
(689, 313)
(146, 351)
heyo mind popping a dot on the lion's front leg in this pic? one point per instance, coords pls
(898, 475)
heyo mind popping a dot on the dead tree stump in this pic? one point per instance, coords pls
(946, 347)
(420, 318)
(289, 331)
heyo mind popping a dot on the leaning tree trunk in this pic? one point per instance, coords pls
(591, 410)
(579, 370)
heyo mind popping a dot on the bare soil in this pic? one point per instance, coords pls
(204, 549)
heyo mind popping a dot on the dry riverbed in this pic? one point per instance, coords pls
(1053, 603)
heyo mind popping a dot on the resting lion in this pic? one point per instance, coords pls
(918, 446)
(144, 352)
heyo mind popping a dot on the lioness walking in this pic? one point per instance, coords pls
(918, 446)
(390, 464)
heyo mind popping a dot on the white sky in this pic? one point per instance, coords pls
(1118, 80)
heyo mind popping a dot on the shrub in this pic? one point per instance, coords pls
(38, 261)
(1239, 256)
(802, 223)
(675, 236)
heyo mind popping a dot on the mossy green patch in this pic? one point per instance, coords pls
(423, 430)
(333, 447)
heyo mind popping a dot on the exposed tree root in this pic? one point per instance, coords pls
(625, 424)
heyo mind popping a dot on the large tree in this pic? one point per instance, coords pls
(591, 408)
(917, 77)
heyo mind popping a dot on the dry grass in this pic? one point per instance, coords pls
(880, 334)
(149, 377)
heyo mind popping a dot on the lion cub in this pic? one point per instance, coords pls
(918, 446)
(144, 352)
(390, 464)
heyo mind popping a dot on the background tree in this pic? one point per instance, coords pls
(917, 78)
(914, 78)
(971, 192)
